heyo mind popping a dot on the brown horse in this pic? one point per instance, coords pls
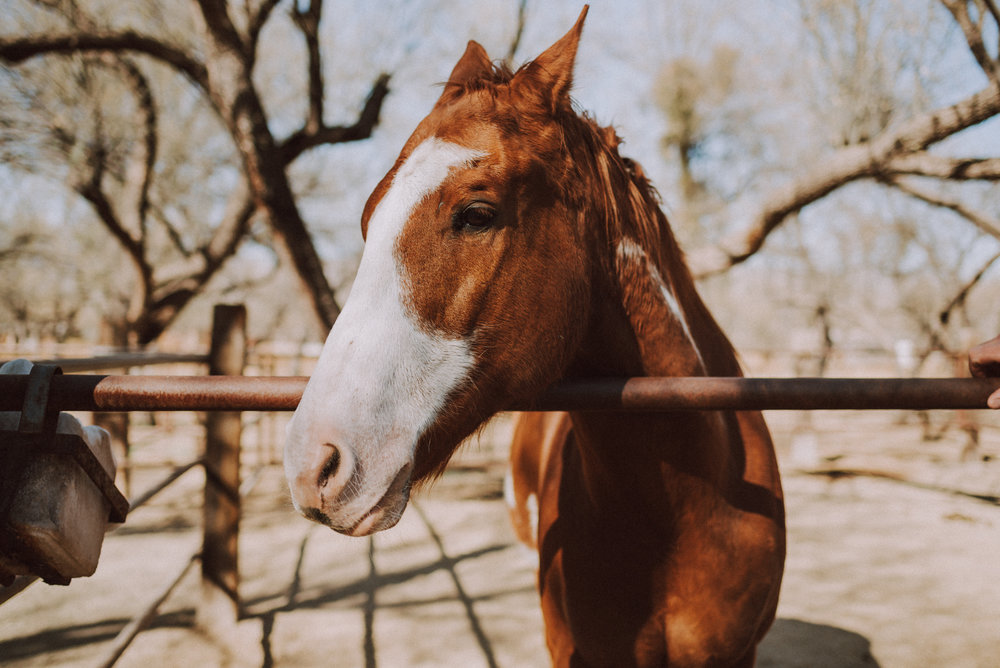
(509, 247)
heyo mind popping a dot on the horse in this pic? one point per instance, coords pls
(509, 247)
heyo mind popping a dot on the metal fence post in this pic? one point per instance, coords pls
(219, 608)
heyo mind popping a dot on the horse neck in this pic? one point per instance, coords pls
(675, 333)
(649, 320)
(646, 315)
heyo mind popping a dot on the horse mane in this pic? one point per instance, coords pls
(629, 204)
(631, 209)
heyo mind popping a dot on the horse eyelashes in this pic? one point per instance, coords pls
(476, 217)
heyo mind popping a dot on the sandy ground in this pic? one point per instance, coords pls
(880, 572)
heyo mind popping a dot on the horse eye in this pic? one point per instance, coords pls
(476, 217)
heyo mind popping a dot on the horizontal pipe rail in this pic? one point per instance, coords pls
(124, 361)
(657, 394)
(282, 393)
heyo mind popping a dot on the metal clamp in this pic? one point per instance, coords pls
(39, 422)
(36, 418)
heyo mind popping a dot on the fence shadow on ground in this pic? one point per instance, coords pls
(43, 645)
(793, 643)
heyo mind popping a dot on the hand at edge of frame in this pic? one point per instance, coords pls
(984, 362)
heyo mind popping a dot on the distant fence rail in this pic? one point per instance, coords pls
(282, 393)
(124, 361)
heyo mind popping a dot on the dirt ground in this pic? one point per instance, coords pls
(894, 561)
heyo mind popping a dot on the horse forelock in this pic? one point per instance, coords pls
(489, 79)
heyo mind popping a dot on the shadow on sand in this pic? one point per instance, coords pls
(792, 643)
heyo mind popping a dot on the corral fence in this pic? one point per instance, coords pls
(220, 461)
(225, 393)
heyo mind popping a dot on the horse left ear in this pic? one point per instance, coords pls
(474, 64)
(550, 75)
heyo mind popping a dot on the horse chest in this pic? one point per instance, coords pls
(607, 609)
(631, 588)
(600, 581)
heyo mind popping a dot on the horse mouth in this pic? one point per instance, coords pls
(383, 515)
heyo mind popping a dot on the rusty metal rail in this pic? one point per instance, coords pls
(282, 393)
(123, 361)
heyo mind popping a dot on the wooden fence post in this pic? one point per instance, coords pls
(219, 608)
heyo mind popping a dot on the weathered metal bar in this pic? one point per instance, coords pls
(647, 394)
(282, 393)
(124, 361)
(162, 393)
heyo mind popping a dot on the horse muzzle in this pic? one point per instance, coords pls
(330, 486)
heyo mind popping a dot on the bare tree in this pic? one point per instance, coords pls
(515, 42)
(22, 279)
(219, 61)
(692, 95)
(873, 148)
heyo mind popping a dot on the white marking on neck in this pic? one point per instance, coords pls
(631, 252)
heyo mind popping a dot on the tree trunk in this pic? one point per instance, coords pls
(233, 93)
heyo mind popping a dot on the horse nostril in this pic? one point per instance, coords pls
(329, 469)
(333, 480)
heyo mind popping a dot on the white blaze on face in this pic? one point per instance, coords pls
(382, 378)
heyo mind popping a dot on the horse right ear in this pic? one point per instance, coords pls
(474, 64)
(549, 77)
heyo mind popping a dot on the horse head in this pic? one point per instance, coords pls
(473, 290)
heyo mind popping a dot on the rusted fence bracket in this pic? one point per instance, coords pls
(37, 430)
(34, 534)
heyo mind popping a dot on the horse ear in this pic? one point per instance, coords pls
(474, 64)
(550, 75)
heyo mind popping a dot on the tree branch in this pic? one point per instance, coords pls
(973, 31)
(303, 140)
(199, 265)
(233, 93)
(173, 234)
(220, 24)
(923, 163)
(308, 23)
(92, 192)
(982, 221)
(20, 245)
(184, 281)
(522, 9)
(844, 166)
(994, 10)
(257, 21)
(139, 171)
(959, 299)
(19, 49)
